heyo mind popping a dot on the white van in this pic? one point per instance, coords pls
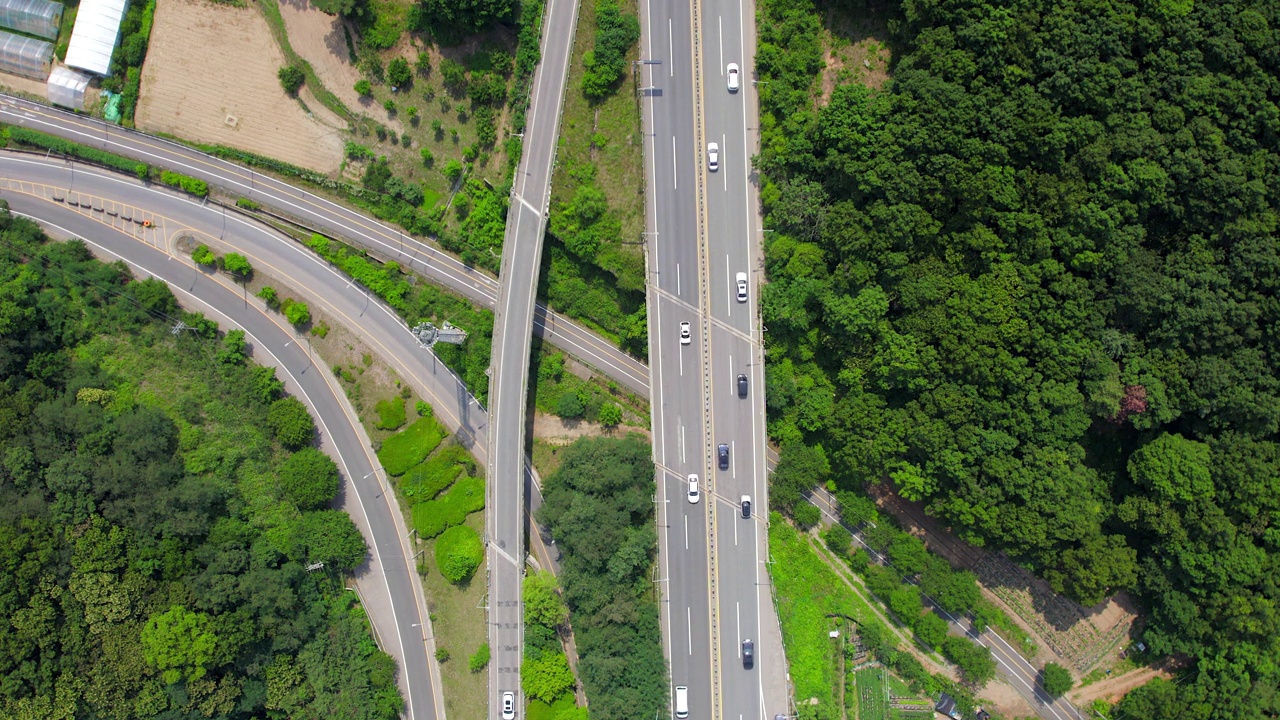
(682, 702)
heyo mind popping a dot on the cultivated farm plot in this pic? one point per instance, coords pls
(873, 695)
(211, 76)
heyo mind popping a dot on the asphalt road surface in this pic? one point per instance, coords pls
(387, 585)
(1012, 667)
(329, 217)
(513, 324)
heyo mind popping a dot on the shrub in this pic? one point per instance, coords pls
(410, 446)
(459, 551)
(469, 153)
(423, 64)
(454, 75)
(480, 660)
(390, 413)
(247, 204)
(390, 106)
(423, 409)
(330, 537)
(202, 255)
(290, 423)
(412, 113)
(356, 151)
(428, 157)
(433, 517)
(442, 655)
(1056, 679)
(398, 73)
(270, 297)
(426, 479)
(437, 128)
(237, 265)
(309, 479)
(364, 88)
(292, 78)
(297, 313)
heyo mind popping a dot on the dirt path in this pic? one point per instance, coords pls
(1112, 689)
(211, 76)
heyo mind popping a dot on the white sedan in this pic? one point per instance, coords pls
(694, 494)
(686, 334)
(742, 287)
(713, 156)
(733, 77)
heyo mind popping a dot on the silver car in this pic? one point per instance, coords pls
(733, 77)
(713, 156)
(694, 494)
(741, 280)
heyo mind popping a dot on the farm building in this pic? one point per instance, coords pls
(25, 56)
(33, 17)
(66, 88)
(95, 35)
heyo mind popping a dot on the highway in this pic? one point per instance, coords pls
(388, 584)
(513, 327)
(680, 439)
(1011, 666)
(336, 220)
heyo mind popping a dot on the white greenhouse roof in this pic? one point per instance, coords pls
(66, 88)
(95, 34)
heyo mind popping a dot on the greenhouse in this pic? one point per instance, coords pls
(94, 37)
(33, 17)
(66, 88)
(25, 56)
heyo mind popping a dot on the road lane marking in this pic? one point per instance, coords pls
(724, 143)
(733, 452)
(675, 181)
(686, 531)
(683, 459)
(737, 613)
(728, 291)
(720, 20)
(677, 279)
(671, 47)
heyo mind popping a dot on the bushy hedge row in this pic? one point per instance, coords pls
(385, 280)
(33, 138)
(428, 478)
(186, 183)
(433, 517)
(410, 446)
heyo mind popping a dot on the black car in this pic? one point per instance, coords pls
(748, 654)
(742, 386)
(723, 453)
(746, 506)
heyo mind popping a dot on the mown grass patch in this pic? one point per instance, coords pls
(400, 452)
(391, 414)
(539, 710)
(432, 517)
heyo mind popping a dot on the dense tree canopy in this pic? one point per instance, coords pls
(1032, 282)
(599, 509)
(150, 567)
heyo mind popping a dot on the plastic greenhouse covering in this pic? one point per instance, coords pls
(66, 88)
(34, 17)
(25, 56)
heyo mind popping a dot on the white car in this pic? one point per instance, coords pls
(686, 335)
(713, 156)
(508, 705)
(733, 77)
(742, 287)
(694, 495)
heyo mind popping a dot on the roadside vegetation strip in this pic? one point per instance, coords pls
(808, 595)
(451, 508)
(410, 446)
(598, 507)
(26, 138)
(151, 529)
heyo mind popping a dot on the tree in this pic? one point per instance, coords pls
(973, 660)
(542, 603)
(179, 643)
(290, 423)
(363, 88)
(806, 515)
(610, 414)
(423, 64)
(930, 629)
(309, 479)
(345, 8)
(291, 79)
(398, 73)
(237, 265)
(270, 297)
(480, 660)
(202, 255)
(570, 405)
(455, 19)
(452, 170)
(1056, 679)
(546, 678)
(297, 313)
(329, 537)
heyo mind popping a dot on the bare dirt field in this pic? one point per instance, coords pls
(1067, 633)
(18, 85)
(210, 76)
(320, 40)
(1113, 689)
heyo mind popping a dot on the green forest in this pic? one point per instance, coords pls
(155, 527)
(599, 508)
(1032, 282)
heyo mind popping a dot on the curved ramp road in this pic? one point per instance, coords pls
(332, 218)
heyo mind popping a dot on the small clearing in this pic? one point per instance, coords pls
(856, 48)
(211, 76)
(1113, 689)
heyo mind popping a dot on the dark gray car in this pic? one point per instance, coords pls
(748, 654)
(742, 386)
(723, 453)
